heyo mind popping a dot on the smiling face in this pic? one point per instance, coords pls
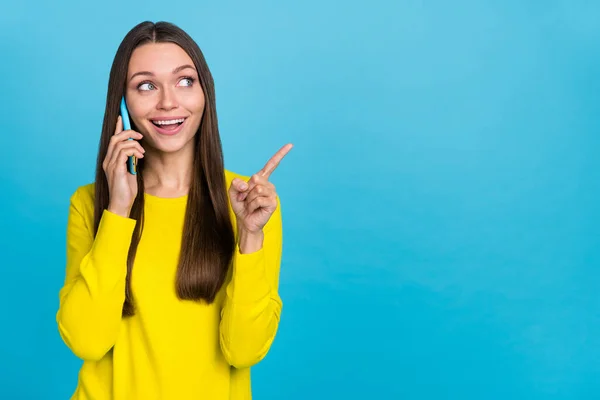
(164, 96)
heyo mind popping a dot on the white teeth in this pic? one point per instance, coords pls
(169, 122)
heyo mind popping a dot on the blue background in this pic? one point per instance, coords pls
(441, 204)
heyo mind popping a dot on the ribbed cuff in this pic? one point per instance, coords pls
(111, 245)
(250, 281)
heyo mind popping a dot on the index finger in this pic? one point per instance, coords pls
(119, 127)
(275, 160)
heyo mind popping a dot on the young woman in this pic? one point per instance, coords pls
(171, 288)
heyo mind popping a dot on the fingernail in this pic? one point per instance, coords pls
(243, 186)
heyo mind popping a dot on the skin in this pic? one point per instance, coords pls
(162, 82)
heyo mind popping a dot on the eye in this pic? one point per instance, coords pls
(187, 81)
(146, 86)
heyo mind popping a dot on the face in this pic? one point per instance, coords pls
(164, 96)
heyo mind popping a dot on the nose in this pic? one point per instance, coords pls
(167, 100)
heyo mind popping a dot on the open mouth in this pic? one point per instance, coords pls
(170, 126)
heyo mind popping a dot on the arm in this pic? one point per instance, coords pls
(250, 315)
(91, 300)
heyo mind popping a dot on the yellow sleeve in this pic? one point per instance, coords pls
(92, 297)
(250, 315)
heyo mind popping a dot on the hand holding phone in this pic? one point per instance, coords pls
(123, 149)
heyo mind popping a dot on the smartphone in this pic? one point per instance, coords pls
(132, 161)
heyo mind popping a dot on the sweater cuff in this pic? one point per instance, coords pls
(250, 283)
(111, 245)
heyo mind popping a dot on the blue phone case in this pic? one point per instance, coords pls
(132, 161)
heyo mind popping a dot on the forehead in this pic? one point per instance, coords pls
(158, 58)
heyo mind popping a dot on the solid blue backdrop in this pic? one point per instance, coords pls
(441, 204)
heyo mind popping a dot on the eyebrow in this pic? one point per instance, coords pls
(175, 71)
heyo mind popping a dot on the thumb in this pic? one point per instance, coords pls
(237, 187)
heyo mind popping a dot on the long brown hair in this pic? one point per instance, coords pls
(208, 240)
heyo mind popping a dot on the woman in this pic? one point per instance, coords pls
(171, 288)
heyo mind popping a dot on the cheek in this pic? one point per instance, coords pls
(194, 102)
(139, 109)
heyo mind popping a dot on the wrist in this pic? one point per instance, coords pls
(250, 242)
(123, 212)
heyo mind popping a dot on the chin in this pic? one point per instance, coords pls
(170, 145)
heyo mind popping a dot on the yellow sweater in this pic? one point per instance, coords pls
(170, 349)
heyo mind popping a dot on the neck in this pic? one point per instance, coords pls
(168, 174)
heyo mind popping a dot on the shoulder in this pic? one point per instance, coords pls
(84, 194)
(81, 207)
(82, 199)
